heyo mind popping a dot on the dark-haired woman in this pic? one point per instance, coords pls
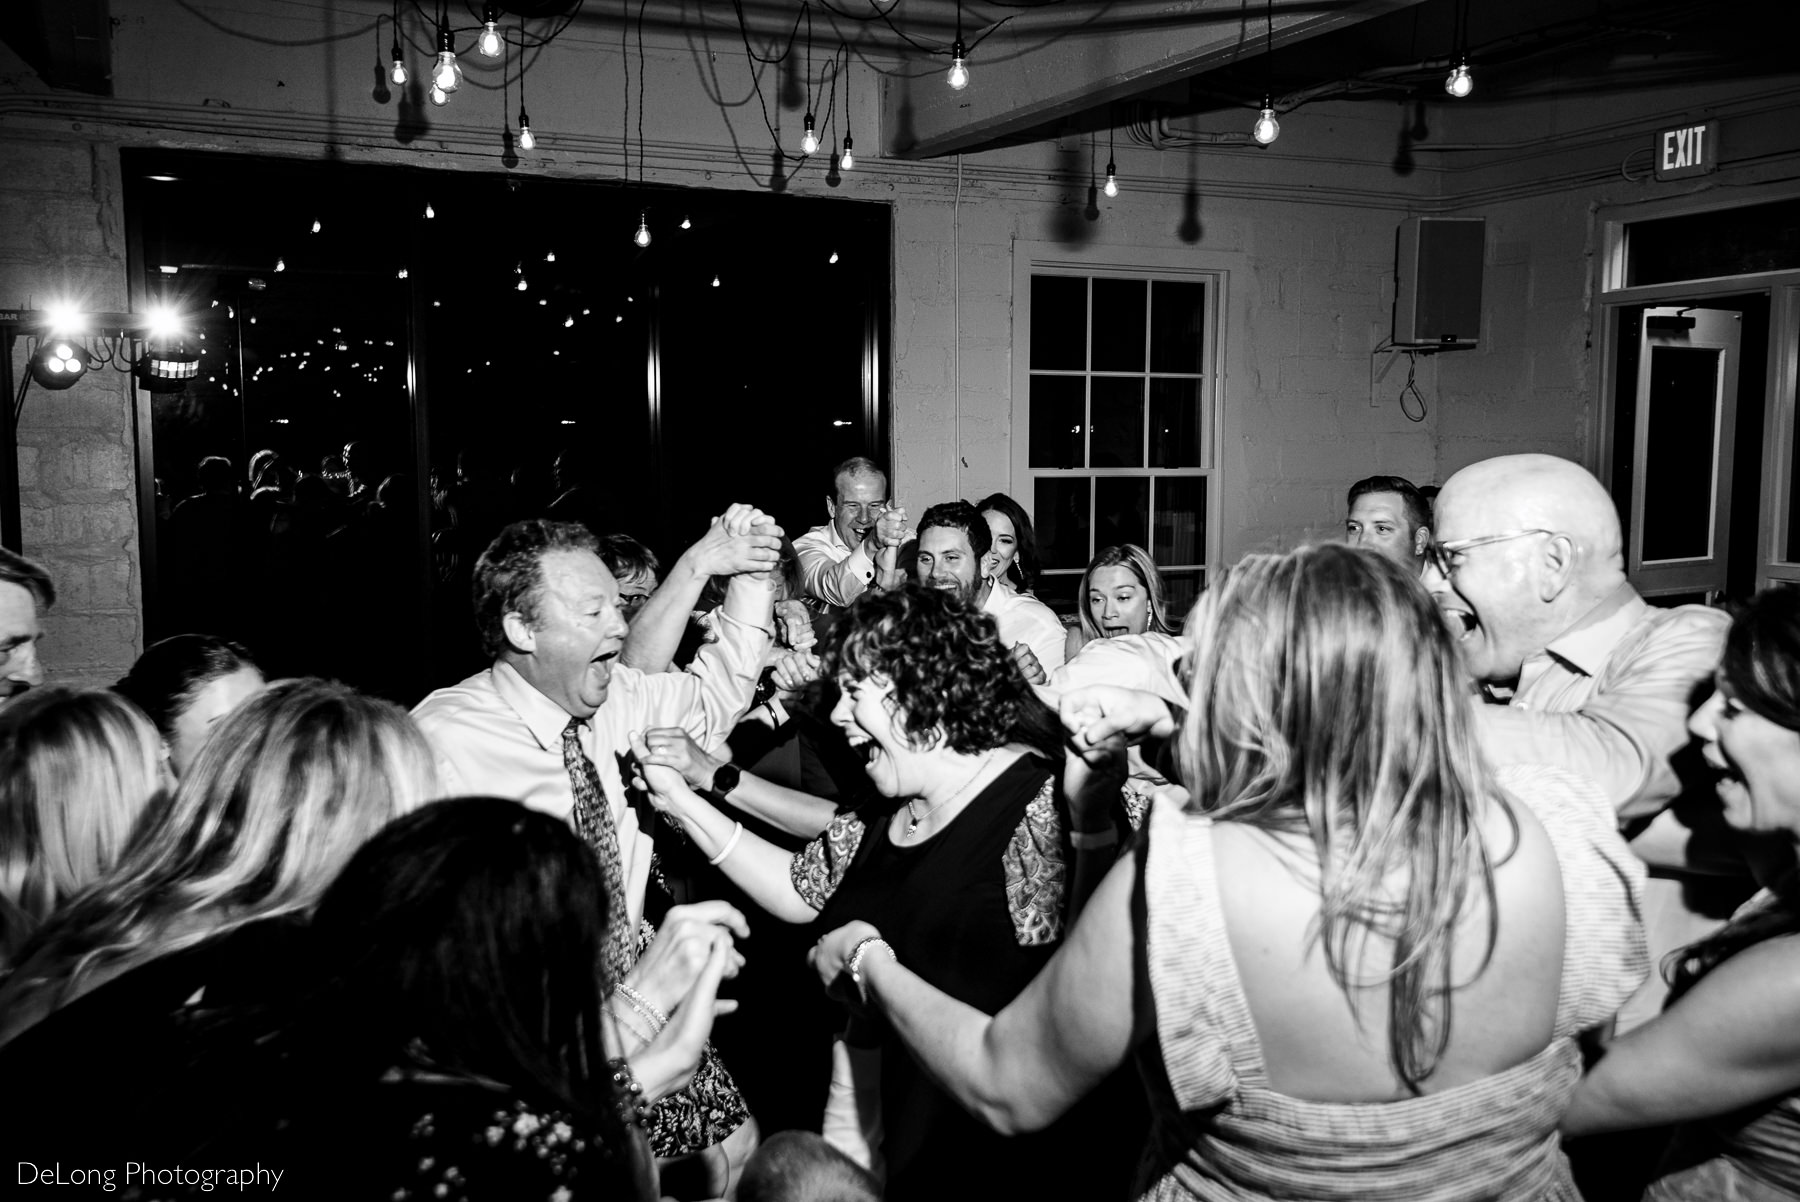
(1015, 553)
(185, 685)
(1724, 1057)
(964, 856)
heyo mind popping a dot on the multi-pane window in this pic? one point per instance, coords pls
(1118, 416)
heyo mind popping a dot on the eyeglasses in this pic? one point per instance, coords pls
(863, 509)
(1444, 556)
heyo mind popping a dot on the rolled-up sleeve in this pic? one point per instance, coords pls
(1624, 735)
(828, 579)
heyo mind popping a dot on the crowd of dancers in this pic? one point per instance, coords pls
(1415, 866)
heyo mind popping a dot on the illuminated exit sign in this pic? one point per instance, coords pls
(1687, 150)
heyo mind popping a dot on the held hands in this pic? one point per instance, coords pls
(794, 670)
(742, 539)
(672, 747)
(793, 625)
(1029, 665)
(830, 958)
(666, 1064)
(1105, 716)
(890, 528)
(664, 784)
(678, 957)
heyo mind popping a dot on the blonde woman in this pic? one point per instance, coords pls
(1121, 594)
(277, 801)
(1355, 964)
(77, 766)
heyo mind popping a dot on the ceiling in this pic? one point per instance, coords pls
(1046, 69)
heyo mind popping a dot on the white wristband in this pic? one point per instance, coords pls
(737, 833)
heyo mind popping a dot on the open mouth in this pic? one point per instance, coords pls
(1462, 622)
(1113, 632)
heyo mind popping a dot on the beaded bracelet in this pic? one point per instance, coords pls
(632, 1107)
(643, 1005)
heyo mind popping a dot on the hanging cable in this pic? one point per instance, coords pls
(527, 139)
(1112, 172)
(1412, 389)
(959, 70)
(1267, 129)
(809, 137)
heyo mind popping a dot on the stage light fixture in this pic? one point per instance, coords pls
(59, 363)
(162, 371)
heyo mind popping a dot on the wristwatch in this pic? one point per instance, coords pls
(725, 780)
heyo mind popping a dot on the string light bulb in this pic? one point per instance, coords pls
(1112, 181)
(527, 139)
(809, 141)
(489, 43)
(642, 237)
(398, 74)
(1460, 83)
(849, 160)
(959, 67)
(687, 223)
(1266, 129)
(429, 211)
(438, 96)
(446, 76)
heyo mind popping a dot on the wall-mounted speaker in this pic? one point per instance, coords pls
(1437, 298)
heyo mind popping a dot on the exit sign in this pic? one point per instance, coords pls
(1687, 150)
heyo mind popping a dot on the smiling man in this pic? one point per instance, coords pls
(547, 723)
(1390, 515)
(1528, 569)
(953, 555)
(859, 547)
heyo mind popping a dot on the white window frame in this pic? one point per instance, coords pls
(1138, 263)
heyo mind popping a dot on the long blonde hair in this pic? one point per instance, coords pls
(1328, 701)
(1137, 561)
(77, 767)
(280, 797)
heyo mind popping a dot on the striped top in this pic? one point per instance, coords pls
(1229, 1136)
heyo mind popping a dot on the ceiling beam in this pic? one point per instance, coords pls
(1041, 66)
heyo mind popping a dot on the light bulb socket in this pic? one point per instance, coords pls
(446, 40)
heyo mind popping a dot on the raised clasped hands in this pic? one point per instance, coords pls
(1100, 723)
(793, 625)
(794, 670)
(743, 539)
(1029, 664)
(890, 528)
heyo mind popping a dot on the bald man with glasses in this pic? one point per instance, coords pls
(1579, 672)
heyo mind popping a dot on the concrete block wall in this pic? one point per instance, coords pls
(62, 238)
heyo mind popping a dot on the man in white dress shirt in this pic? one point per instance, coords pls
(954, 541)
(548, 610)
(858, 548)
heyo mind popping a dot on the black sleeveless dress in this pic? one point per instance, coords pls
(976, 911)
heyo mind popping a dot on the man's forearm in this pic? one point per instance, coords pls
(656, 632)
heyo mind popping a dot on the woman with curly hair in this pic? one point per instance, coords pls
(1722, 1059)
(77, 767)
(279, 799)
(963, 856)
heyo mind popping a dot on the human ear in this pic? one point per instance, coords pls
(1557, 564)
(1421, 540)
(519, 632)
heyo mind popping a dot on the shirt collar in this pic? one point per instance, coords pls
(1587, 645)
(543, 717)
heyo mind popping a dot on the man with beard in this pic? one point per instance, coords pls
(860, 546)
(1581, 673)
(954, 541)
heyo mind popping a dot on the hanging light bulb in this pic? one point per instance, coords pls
(438, 96)
(849, 160)
(1112, 182)
(833, 257)
(809, 141)
(446, 76)
(549, 256)
(1460, 83)
(489, 43)
(521, 285)
(280, 264)
(959, 68)
(687, 223)
(527, 139)
(429, 211)
(642, 237)
(1266, 129)
(715, 281)
(398, 75)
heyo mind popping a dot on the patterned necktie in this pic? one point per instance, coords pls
(594, 823)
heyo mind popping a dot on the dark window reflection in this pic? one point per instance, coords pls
(1058, 407)
(1118, 325)
(1058, 322)
(449, 352)
(1060, 509)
